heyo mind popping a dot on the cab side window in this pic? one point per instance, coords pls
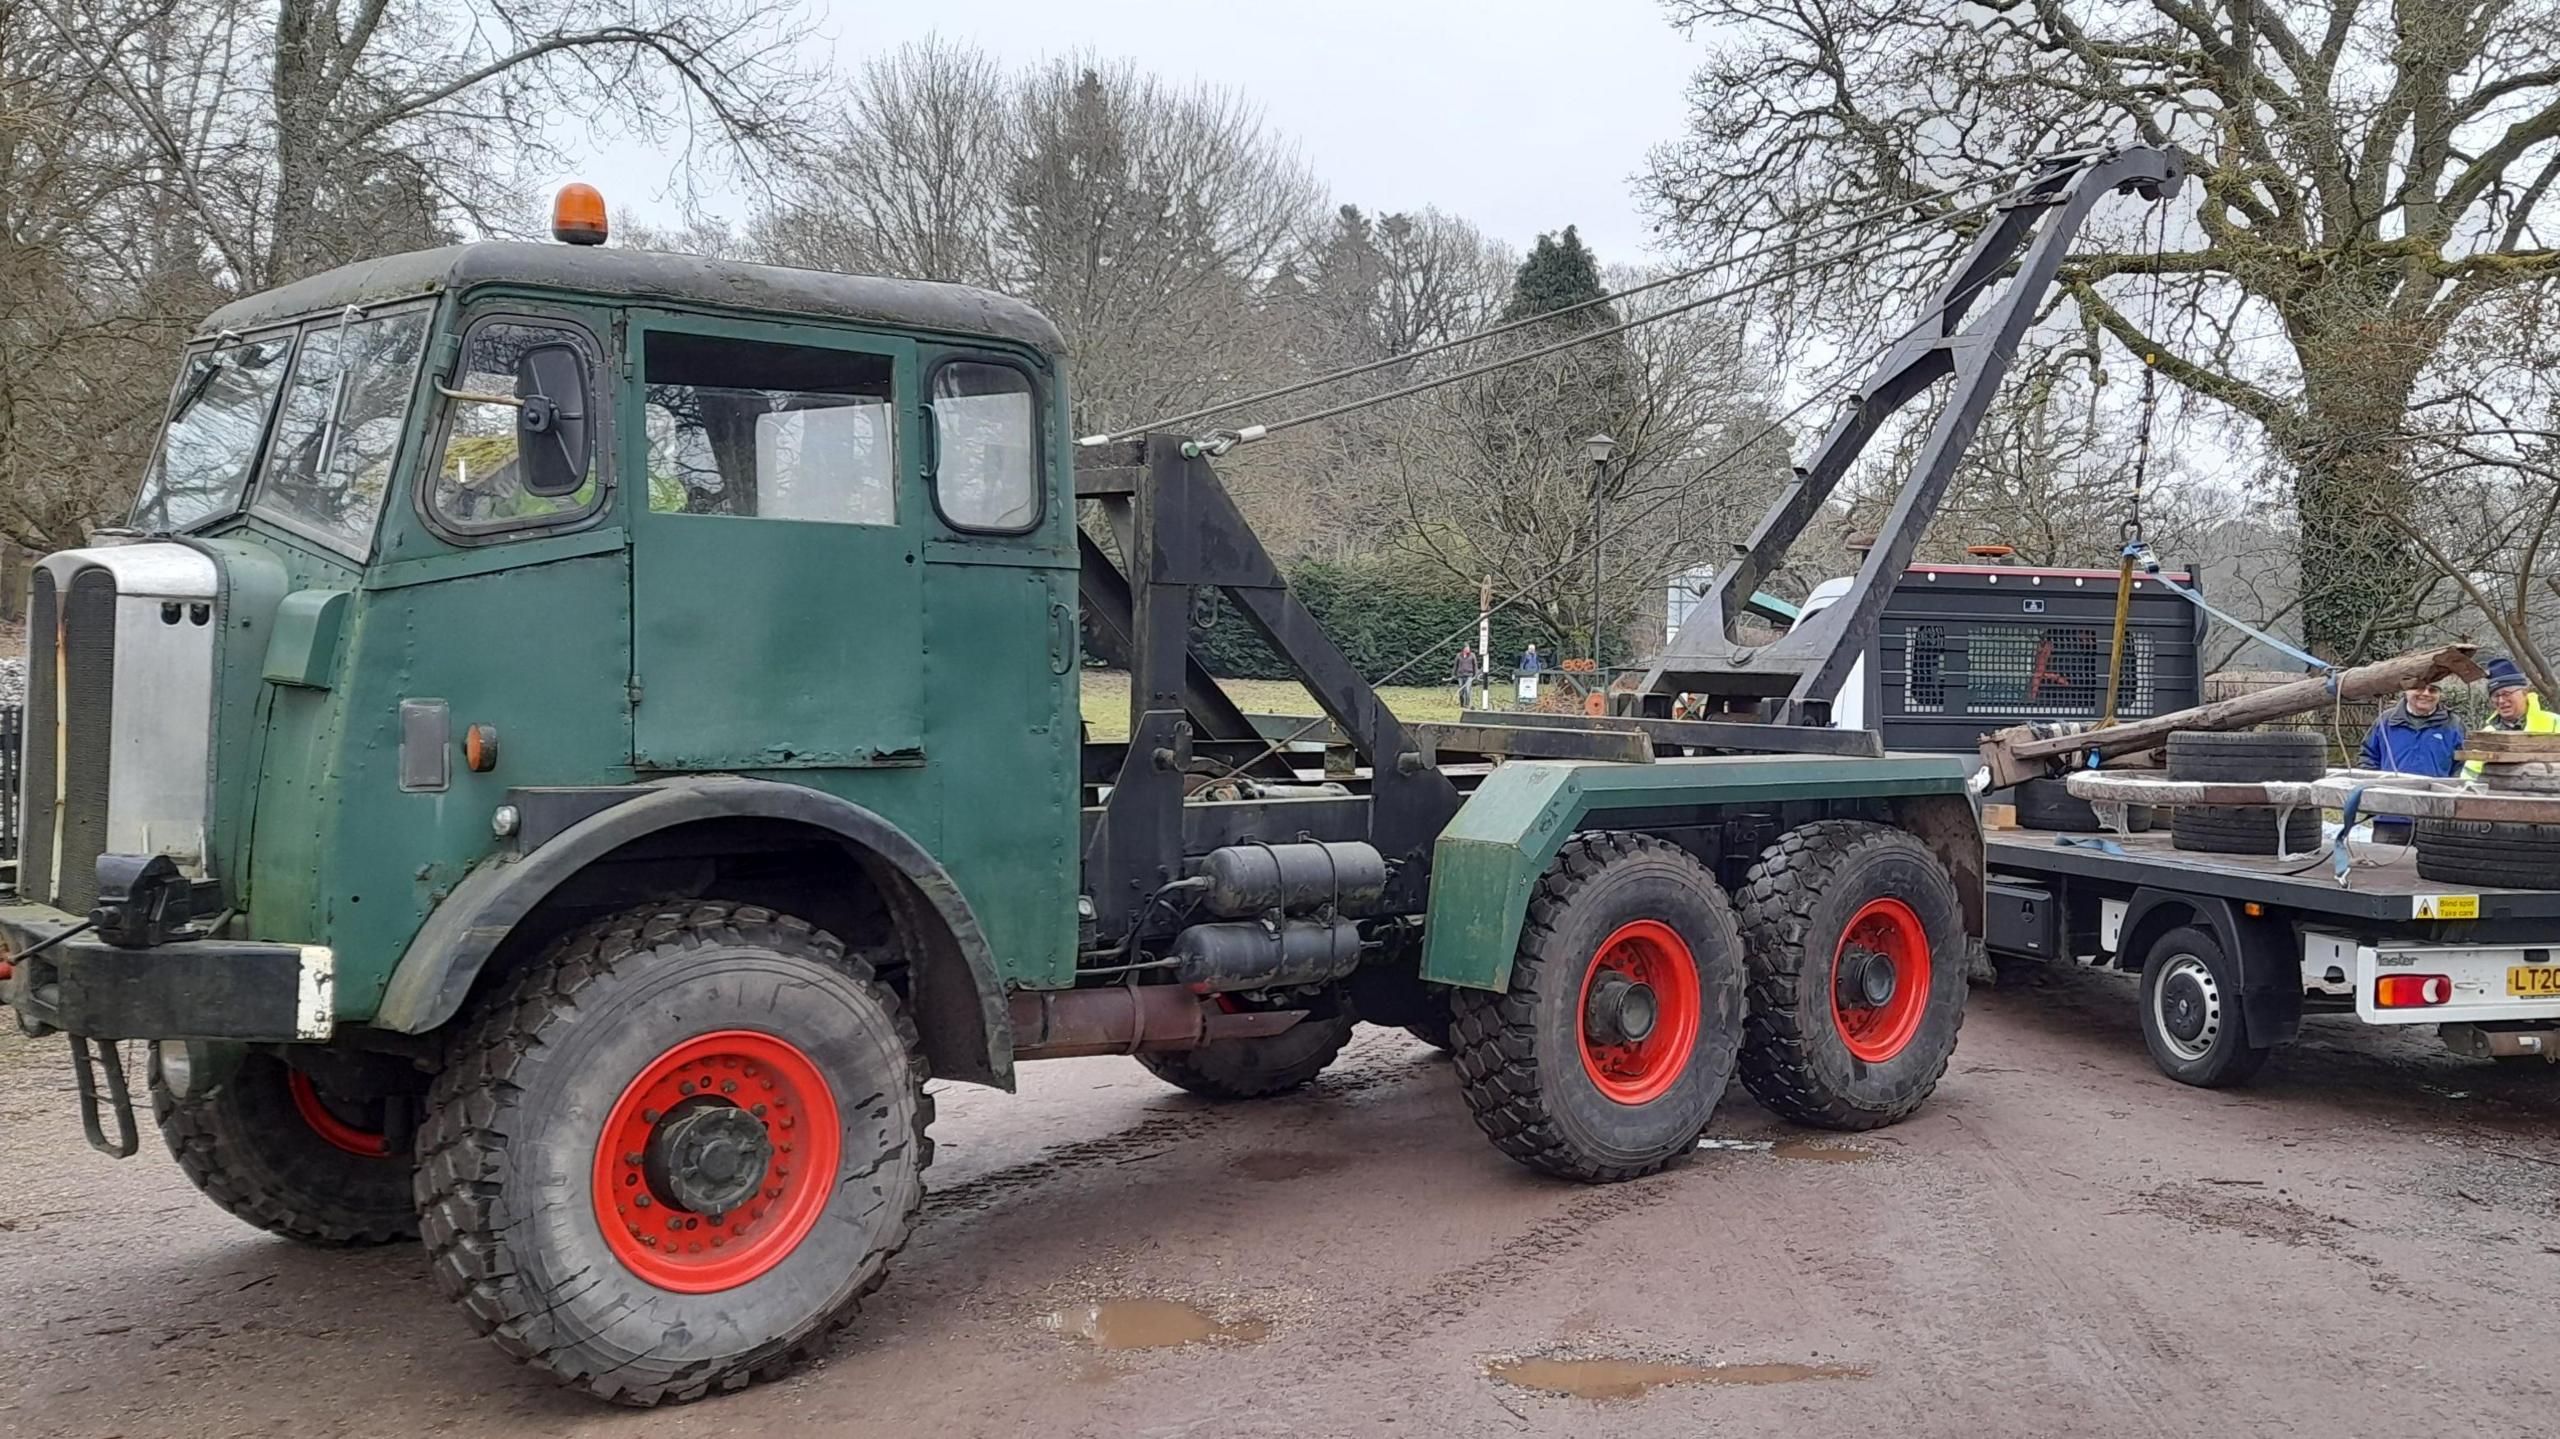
(769, 431)
(479, 483)
(986, 423)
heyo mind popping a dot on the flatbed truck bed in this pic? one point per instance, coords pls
(2234, 949)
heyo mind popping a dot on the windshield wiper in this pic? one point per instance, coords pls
(223, 345)
(195, 390)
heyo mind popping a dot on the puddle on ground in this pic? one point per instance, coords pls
(1630, 1378)
(1282, 1164)
(1149, 1324)
(1808, 1149)
(1820, 1153)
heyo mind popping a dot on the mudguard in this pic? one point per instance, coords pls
(2270, 966)
(1488, 860)
(437, 970)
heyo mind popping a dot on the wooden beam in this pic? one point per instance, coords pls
(2021, 753)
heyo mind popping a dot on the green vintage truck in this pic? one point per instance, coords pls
(572, 738)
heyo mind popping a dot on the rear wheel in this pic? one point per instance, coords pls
(1857, 948)
(1435, 1032)
(306, 1158)
(676, 1151)
(1255, 1068)
(2191, 1012)
(1604, 1058)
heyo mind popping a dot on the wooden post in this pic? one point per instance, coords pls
(2019, 753)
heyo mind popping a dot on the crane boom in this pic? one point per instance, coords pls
(1800, 670)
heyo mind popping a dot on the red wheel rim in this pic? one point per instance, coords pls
(1653, 954)
(339, 1134)
(687, 1250)
(1887, 928)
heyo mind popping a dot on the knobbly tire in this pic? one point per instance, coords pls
(2191, 1012)
(1255, 1068)
(1435, 1032)
(277, 1150)
(1857, 953)
(1604, 1058)
(671, 1155)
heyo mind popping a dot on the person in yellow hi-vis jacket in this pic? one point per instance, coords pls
(2518, 710)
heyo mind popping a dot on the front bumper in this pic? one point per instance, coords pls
(187, 989)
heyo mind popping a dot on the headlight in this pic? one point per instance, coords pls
(177, 1068)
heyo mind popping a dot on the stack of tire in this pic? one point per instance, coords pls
(2246, 757)
(2499, 852)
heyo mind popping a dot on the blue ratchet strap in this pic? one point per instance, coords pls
(2252, 631)
(2102, 846)
(2338, 860)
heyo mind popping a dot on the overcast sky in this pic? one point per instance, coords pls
(1519, 115)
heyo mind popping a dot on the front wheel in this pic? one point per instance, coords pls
(2191, 1012)
(308, 1158)
(1857, 948)
(675, 1151)
(1615, 1039)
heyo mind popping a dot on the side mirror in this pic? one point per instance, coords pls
(553, 442)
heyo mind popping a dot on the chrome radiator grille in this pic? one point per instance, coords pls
(71, 666)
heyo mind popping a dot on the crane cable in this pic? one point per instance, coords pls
(1253, 432)
(2131, 551)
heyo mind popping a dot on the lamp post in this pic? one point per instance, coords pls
(1597, 450)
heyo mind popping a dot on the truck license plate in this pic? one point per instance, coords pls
(2534, 981)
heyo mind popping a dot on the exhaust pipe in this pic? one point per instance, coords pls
(1130, 1019)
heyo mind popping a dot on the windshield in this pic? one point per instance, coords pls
(219, 413)
(340, 428)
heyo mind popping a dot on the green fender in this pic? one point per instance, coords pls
(1488, 860)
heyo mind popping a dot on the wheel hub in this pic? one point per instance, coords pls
(716, 1161)
(1620, 1010)
(707, 1157)
(1640, 1011)
(1865, 979)
(1880, 980)
(2182, 1007)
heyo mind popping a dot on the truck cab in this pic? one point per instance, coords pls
(443, 555)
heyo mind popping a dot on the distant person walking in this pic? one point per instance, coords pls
(1468, 668)
(1530, 664)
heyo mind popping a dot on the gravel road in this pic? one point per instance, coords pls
(2063, 1242)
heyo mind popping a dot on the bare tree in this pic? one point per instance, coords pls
(2369, 175)
(98, 281)
(1494, 482)
(310, 133)
(904, 181)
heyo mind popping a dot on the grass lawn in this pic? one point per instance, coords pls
(1106, 700)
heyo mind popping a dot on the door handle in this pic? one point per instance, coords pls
(1063, 640)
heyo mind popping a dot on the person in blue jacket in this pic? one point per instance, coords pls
(2417, 735)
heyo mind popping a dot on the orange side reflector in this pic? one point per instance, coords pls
(480, 748)
(2253, 909)
(577, 215)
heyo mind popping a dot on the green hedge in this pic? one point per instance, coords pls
(1381, 618)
